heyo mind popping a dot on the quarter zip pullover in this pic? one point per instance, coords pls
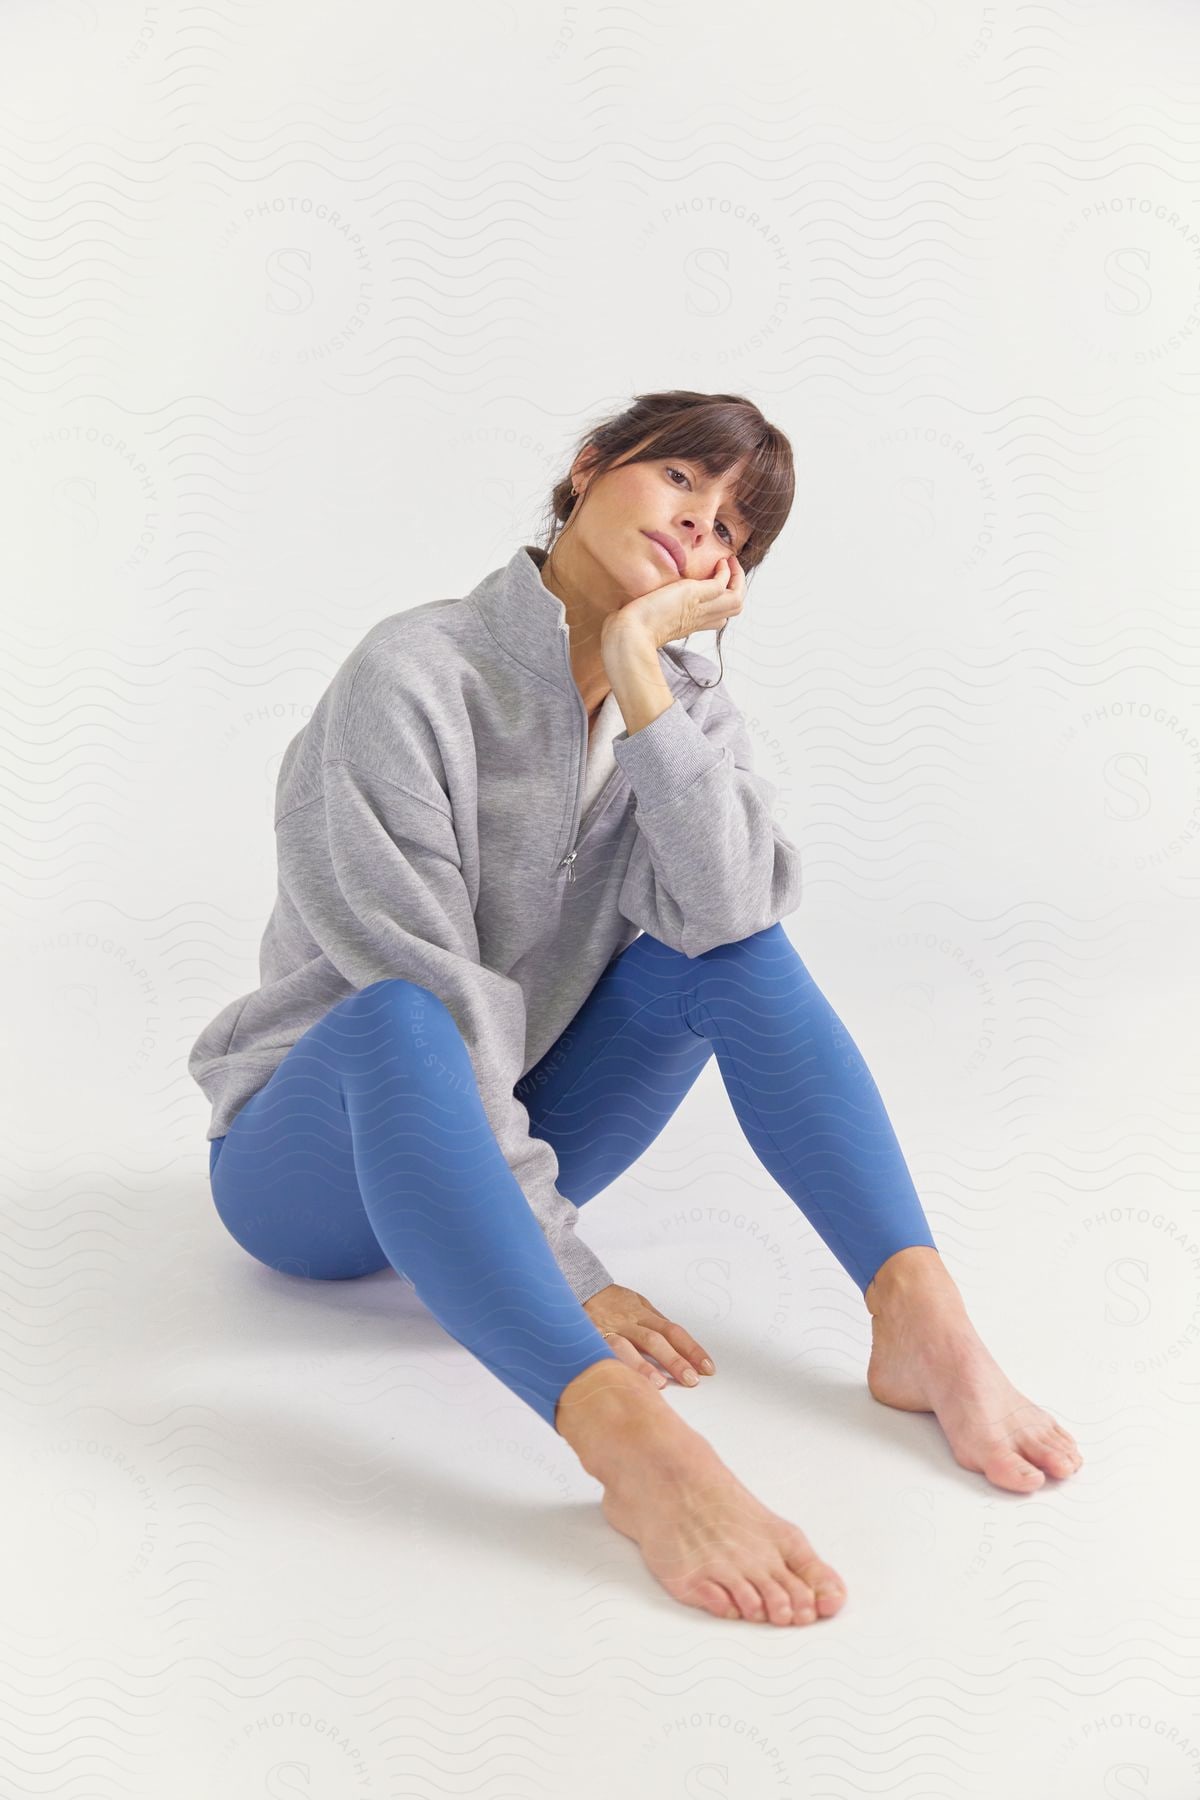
(433, 822)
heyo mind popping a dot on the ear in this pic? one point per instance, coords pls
(584, 463)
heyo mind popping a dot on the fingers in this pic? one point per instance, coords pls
(682, 1340)
(686, 1344)
(671, 1353)
(728, 586)
(629, 1354)
(636, 1330)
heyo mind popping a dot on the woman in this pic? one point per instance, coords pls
(460, 1036)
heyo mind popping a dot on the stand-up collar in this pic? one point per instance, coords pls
(529, 621)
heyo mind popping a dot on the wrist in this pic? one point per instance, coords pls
(631, 642)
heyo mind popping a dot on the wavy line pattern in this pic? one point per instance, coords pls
(301, 311)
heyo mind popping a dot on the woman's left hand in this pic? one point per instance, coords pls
(640, 1331)
(679, 608)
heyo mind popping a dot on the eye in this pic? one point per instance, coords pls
(671, 470)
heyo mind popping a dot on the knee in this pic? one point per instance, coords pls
(764, 965)
(415, 1001)
(768, 935)
(392, 984)
(757, 943)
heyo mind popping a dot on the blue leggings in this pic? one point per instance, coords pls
(364, 1151)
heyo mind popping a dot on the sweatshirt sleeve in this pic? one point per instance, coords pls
(392, 902)
(709, 864)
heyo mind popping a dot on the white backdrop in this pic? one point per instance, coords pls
(302, 309)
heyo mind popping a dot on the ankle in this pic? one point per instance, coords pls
(909, 1277)
(603, 1408)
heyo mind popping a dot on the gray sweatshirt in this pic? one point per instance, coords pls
(429, 824)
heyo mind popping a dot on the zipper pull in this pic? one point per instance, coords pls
(566, 864)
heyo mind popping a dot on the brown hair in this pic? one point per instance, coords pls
(718, 431)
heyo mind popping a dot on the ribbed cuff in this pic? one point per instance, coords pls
(664, 758)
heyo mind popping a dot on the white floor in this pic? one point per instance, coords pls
(267, 1537)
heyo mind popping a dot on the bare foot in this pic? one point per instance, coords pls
(702, 1535)
(926, 1356)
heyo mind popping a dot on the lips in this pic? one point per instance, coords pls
(670, 546)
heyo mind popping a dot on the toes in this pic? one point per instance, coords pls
(1009, 1469)
(1066, 1442)
(746, 1597)
(713, 1598)
(777, 1599)
(831, 1597)
(804, 1601)
(1055, 1454)
(785, 1596)
(825, 1584)
(1049, 1435)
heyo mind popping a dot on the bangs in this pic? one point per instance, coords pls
(720, 436)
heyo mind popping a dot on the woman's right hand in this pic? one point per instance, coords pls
(677, 609)
(637, 1331)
